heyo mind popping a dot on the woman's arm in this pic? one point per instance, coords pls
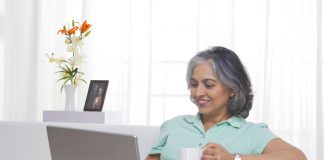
(153, 157)
(278, 149)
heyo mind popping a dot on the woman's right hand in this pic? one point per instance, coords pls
(216, 151)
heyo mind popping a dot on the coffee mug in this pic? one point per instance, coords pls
(190, 153)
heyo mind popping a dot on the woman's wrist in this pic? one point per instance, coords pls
(237, 156)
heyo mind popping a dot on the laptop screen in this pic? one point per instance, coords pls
(79, 144)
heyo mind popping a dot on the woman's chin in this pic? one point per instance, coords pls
(202, 110)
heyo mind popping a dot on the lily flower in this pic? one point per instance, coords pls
(78, 79)
(77, 60)
(72, 48)
(60, 60)
(85, 26)
(72, 30)
(63, 31)
(76, 40)
(51, 58)
(67, 41)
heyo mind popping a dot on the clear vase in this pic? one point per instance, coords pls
(70, 91)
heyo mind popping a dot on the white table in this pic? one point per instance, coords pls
(28, 140)
(109, 117)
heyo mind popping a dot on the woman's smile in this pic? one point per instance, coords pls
(202, 102)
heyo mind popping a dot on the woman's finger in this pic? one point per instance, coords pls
(208, 157)
(212, 145)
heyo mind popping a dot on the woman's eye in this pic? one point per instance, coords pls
(209, 85)
(193, 84)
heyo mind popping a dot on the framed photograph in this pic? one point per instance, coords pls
(96, 95)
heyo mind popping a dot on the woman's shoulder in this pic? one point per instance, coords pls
(256, 125)
(255, 128)
(178, 120)
(240, 122)
(258, 134)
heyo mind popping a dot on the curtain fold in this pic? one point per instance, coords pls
(143, 49)
(319, 82)
(2, 12)
(20, 57)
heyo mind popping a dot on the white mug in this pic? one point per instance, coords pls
(190, 153)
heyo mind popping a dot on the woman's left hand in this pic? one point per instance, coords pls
(213, 151)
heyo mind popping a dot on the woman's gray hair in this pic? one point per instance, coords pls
(231, 72)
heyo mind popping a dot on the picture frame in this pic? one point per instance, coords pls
(96, 95)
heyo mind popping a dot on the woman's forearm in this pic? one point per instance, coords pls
(291, 154)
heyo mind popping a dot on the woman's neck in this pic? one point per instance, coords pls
(210, 120)
(214, 119)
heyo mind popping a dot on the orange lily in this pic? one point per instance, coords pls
(72, 30)
(63, 31)
(85, 26)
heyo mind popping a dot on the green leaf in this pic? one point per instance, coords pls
(74, 72)
(87, 34)
(64, 84)
(66, 70)
(60, 72)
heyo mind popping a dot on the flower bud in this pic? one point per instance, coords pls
(67, 41)
(51, 59)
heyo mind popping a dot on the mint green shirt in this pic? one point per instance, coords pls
(235, 135)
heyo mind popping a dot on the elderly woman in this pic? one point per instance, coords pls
(221, 89)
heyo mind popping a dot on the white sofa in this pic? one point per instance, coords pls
(28, 140)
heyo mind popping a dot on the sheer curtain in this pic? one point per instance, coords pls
(143, 47)
(2, 11)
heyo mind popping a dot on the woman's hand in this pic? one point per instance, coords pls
(153, 157)
(213, 151)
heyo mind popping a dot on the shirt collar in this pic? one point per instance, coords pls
(236, 122)
(193, 119)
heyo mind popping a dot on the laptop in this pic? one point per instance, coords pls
(80, 144)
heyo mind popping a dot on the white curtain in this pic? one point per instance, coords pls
(143, 47)
(2, 11)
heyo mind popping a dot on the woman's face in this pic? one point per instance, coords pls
(208, 93)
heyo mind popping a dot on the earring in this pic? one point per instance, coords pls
(232, 95)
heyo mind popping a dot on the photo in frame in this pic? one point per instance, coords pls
(96, 95)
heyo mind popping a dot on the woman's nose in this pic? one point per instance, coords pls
(200, 91)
